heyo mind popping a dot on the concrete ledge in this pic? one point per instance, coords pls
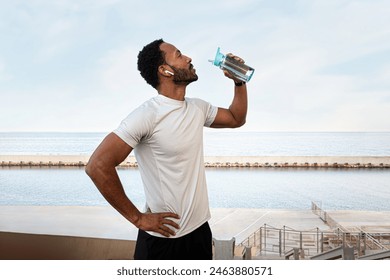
(26, 246)
(215, 161)
(382, 255)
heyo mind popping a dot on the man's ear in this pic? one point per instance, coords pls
(163, 71)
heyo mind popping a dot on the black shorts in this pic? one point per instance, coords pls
(196, 245)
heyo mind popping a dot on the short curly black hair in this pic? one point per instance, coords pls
(149, 59)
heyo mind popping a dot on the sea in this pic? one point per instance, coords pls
(272, 188)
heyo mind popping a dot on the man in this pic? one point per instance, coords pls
(166, 133)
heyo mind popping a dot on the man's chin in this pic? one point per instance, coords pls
(187, 81)
(193, 80)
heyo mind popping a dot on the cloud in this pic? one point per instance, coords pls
(4, 76)
(118, 69)
(318, 63)
(118, 77)
(361, 115)
(291, 90)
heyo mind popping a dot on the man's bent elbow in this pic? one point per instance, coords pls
(242, 123)
(88, 169)
(91, 168)
(239, 123)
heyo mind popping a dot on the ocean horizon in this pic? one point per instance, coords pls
(216, 143)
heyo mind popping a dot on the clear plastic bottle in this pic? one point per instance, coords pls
(239, 70)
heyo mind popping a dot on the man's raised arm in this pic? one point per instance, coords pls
(235, 116)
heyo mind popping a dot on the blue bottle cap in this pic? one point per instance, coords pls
(219, 57)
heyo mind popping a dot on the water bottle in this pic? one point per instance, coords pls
(237, 69)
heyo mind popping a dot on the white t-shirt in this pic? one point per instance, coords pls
(167, 138)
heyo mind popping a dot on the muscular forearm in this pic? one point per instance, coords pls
(101, 168)
(239, 105)
(107, 181)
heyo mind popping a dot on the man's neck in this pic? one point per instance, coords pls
(173, 91)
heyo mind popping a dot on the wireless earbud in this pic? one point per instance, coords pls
(169, 72)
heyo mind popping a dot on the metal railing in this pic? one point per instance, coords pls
(359, 238)
(268, 239)
(282, 241)
(287, 241)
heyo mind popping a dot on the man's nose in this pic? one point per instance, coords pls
(189, 59)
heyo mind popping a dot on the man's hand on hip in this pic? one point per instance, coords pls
(158, 222)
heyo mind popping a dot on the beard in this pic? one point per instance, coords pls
(184, 76)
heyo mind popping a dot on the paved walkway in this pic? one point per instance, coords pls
(240, 223)
(368, 221)
(105, 222)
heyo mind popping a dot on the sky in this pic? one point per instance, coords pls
(71, 66)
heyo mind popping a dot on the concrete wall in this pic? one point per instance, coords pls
(25, 246)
